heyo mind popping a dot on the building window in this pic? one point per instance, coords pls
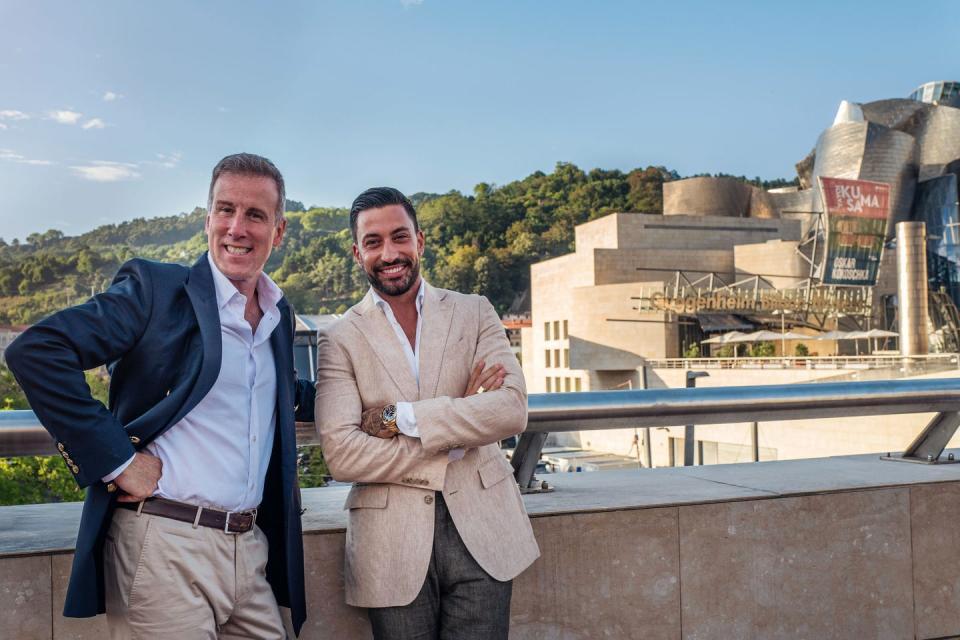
(546, 353)
(576, 384)
(546, 330)
(556, 358)
(556, 383)
(549, 386)
(566, 384)
(566, 358)
(556, 329)
(566, 329)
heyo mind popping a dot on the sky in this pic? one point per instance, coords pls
(113, 110)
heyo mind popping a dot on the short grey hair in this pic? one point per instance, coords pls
(250, 164)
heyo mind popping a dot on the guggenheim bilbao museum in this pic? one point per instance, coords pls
(808, 262)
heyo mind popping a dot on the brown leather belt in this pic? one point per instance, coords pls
(226, 521)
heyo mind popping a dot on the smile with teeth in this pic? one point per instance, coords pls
(393, 271)
(237, 251)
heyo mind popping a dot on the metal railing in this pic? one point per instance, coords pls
(21, 433)
(938, 360)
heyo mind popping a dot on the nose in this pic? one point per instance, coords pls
(389, 253)
(237, 227)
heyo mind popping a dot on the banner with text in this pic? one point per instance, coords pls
(856, 221)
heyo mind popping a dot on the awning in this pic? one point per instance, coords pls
(712, 322)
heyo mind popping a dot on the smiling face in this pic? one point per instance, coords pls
(388, 249)
(241, 227)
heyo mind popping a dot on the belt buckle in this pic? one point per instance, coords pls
(226, 524)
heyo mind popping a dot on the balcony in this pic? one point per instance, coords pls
(839, 547)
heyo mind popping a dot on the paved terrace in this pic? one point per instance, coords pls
(844, 547)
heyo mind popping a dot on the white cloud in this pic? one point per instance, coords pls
(2, 126)
(222, 109)
(11, 156)
(110, 96)
(169, 160)
(104, 171)
(13, 114)
(95, 123)
(411, 3)
(64, 116)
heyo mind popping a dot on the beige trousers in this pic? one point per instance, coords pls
(167, 579)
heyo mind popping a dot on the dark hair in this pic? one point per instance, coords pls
(249, 164)
(377, 197)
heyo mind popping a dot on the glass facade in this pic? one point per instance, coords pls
(936, 205)
(936, 92)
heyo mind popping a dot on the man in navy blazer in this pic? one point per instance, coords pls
(199, 443)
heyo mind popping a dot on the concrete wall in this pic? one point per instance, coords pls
(831, 548)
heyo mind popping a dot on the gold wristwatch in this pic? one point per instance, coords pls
(389, 418)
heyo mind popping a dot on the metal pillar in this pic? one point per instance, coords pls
(755, 440)
(912, 292)
(688, 430)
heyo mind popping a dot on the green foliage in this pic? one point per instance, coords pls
(36, 479)
(693, 351)
(762, 350)
(11, 396)
(801, 350)
(311, 467)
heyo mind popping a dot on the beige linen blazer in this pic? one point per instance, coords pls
(360, 365)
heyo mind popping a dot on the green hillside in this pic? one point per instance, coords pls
(483, 242)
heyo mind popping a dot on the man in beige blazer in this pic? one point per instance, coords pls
(437, 529)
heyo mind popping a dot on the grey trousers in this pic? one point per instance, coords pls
(458, 599)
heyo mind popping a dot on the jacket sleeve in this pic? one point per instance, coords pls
(49, 358)
(450, 423)
(351, 454)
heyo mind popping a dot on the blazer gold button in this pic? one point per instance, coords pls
(111, 487)
(60, 446)
(428, 499)
(134, 439)
(75, 469)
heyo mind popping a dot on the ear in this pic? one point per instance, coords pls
(278, 236)
(421, 243)
(356, 256)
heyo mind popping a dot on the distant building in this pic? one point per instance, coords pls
(587, 333)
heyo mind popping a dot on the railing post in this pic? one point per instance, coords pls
(929, 445)
(688, 430)
(526, 455)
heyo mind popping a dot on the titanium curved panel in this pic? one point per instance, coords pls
(706, 197)
(868, 151)
(937, 130)
(894, 113)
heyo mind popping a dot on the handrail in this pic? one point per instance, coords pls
(722, 405)
(21, 433)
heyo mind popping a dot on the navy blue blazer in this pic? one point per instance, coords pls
(158, 329)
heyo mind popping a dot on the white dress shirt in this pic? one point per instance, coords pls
(217, 455)
(406, 418)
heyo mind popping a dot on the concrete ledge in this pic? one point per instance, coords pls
(824, 548)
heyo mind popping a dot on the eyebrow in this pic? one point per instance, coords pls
(373, 234)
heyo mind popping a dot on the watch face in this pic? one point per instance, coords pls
(389, 413)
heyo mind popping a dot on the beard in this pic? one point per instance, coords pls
(394, 288)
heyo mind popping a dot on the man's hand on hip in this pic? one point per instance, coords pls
(139, 480)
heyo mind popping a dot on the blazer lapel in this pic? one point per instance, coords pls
(383, 341)
(280, 341)
(435, 327)
(203, 297)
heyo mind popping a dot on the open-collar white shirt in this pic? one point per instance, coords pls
(217, 455)
(406, 418)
